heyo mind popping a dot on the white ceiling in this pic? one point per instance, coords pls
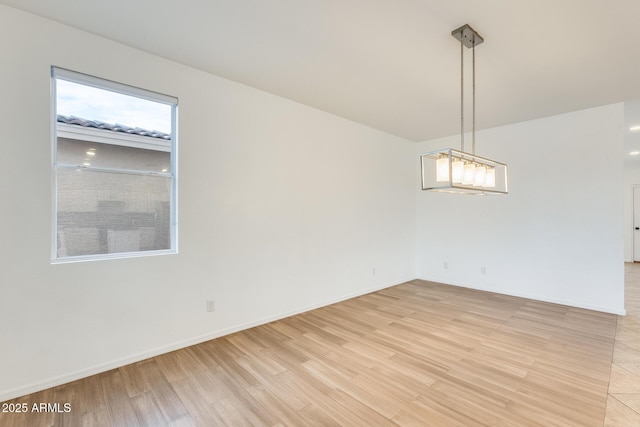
(389, 64)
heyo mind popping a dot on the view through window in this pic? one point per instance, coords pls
(114, 169)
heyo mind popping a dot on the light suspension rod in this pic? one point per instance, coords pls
(461, 95)
(470, 38)
(473, 92)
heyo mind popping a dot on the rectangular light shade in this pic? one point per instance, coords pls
(442, 169)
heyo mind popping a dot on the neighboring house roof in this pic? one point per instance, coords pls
(73, 120)
(77, 128)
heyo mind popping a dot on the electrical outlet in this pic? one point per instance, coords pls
(445, 265)
(373, 271)
(483, 270)
(211, 305)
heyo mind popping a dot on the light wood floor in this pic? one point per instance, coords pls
(623, 404)
(417, 354)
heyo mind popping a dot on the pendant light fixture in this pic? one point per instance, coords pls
(456, 171)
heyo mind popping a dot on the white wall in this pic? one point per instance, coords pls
(557, 236)
(631, 172)
(631, 180)
(282, 208)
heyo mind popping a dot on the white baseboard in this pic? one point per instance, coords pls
(103, 367)
(610, 310)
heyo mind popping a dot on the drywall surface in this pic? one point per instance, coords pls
(557, 235)
(282, 208)
(631, 180)
(631, 174)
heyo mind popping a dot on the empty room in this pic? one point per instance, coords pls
(319, 213)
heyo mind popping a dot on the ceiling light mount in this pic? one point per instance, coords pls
(467, 36)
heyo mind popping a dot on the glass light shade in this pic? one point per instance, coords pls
(442, 169)
(457, 163)
(490, 178)
(481, 173)
(468, 178)
(457, 171)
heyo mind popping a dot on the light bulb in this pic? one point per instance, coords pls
(457, 171)
(490, 178)
(481, 173)
(469, 174)
(442, 169)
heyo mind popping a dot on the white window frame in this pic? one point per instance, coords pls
(102, 136)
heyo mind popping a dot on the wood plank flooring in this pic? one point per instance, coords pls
(623, 404)
(415, 354)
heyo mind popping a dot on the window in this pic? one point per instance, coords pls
(114, 169)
